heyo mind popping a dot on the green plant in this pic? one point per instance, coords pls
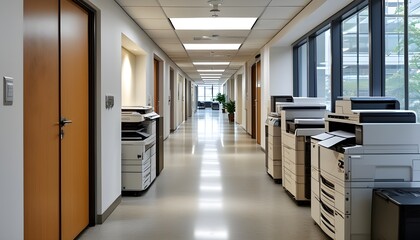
(221, 98)
(230, 106)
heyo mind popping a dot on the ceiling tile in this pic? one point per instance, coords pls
(262, 34)
(171, 48)
(183, 3)
(166, 40)
(145, 12)
(137, 3)
(245, 3)
(280, 12)
(161, 34)
(270, 24)
(294, 3)
(153, 23)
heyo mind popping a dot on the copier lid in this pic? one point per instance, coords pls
(131, 117)
(336, 138)
(401, 196)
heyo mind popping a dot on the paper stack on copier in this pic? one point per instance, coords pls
(374, 146)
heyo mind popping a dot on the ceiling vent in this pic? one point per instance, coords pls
(215, 7)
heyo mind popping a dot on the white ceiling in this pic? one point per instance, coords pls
(152, 16)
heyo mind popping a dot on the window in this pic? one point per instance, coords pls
(207, 92)
(402, 50)
(355, 54)
(323, 66)
(413, 68)
(394, 50)
(302, 70)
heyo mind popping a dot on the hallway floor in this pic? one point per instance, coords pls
(214, 186)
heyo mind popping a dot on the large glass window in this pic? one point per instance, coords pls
(207, 92)
(413, 24)
(323, 66)
(302, 55)
(355, 54)
(394, 50)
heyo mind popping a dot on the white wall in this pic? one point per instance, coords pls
(128, 78)
(281, 71)
(112, 23)
(11, 121)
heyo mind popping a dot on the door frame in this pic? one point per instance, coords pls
(253, 99)
(92, 13)
(172, 99)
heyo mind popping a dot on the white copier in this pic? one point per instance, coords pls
(273, 140)
(299, 121)
(138, 148)
(372, 147)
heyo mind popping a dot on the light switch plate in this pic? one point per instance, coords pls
(7, 91)
(109, 102)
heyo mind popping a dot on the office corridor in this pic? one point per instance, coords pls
(213, 186)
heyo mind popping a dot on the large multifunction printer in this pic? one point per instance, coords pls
(367, 145)
(138, 148)
(273, 141)
(299, 121)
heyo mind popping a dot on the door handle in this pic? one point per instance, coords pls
(64, 122)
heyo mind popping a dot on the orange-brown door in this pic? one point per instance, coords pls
(56, 202)
(258, 103)
(41, 114)
(156, 79)
(74, 108)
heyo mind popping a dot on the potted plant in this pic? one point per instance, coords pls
(221, 98)
(230, 108)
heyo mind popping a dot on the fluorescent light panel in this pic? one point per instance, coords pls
(211, 63)
(210, 70)
(210, 74)
(206, 79)
(212, 23)
(215, 46)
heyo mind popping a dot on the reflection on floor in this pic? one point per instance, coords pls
(213, 186)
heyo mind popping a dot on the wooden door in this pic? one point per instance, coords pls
(74, 107)
(56, 200)
(156, 99)
(41, 115)
(258, 103)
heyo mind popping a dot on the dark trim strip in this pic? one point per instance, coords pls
(336, 64)
(406, 62)
(376, 48)
(101, 218)
(92, 21)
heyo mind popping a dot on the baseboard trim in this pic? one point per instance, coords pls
(102, 218)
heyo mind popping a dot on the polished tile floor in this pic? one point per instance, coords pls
(213, 186)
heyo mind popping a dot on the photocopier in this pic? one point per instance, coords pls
(138, 148)
(367, 145)
(299, 121)
(273, 139)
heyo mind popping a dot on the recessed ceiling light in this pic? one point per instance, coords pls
(210, 74)
(210, 70)
(211, 63)
(211, 77)
(212, 23)
(216, 46)
(209, 80)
